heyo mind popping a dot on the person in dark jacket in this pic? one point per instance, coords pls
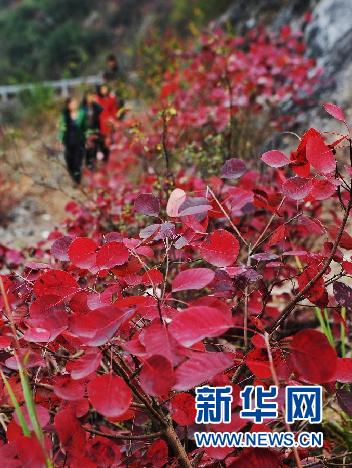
(73, 136)
(95, 140)
(113, 71)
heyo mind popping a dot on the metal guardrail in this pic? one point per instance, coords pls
(62, 86)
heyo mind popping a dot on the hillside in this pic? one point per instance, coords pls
(47, 39)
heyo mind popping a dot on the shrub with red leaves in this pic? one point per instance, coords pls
(155, 290)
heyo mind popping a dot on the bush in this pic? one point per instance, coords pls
(155, 288)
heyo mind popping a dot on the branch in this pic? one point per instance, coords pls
(155, 411)
(120, 369)
(290, 307)
(329, 460)
(153, 435)
(260, 238)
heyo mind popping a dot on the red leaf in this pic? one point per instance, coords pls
(109, 395)
(85, 365)
(257, 458)
(346, 239)
(111, 255)
(297, 188)
(79, 407)
(261, 369)
(157, 376)
(29, 358)
(196, 278)
(275, 158)
(183, 409)
(157, 453)
(220, 248)
(98, 326)
(322, 189)
(347, 266)
(72, 436)
(157, 340)
(147, 204)
(24, 452)
(201, 367)
(68, 389)
(335, 111)
(100, 452)
(5, 341)
(320, 155)
(195, 323)
(82, 252)
(37, 335)
(105, 298)
(316, 292)
(152, 277)
(233, 169)
(48, 318)
(218, 453)
(56, 283)
(313, 357)
(277, 236)
(177, 197)
(158, 231)
(344, 370)
(194, 206)
(42, 414)
(60, 247)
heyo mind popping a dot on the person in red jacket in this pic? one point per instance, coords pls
(107, 101)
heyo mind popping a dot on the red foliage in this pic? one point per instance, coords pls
(121, 316)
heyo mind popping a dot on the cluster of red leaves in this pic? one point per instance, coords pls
(116, 326)
(238, 76)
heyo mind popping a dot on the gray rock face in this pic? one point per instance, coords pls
(330, 33)
(329, 37)
(246, 13)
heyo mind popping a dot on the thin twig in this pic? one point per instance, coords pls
(226, 215)
(291, 306)
(255, 245)
(155, 411)
(152, 435)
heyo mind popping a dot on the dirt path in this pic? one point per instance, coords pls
(38, 184)
(39, 191)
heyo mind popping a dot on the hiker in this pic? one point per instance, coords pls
(107, 101)
(73, 135)
(113, 76)
(95, 140)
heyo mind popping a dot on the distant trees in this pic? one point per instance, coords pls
(197, 11)
(47, 39)
(43, 39)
